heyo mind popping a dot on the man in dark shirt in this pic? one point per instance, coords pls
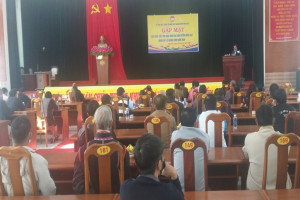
(5, 111)
(24, 98)
(14, 102)
(280, 112)
(185, 91)
(103, 121)
(170, 93)
(150, 163)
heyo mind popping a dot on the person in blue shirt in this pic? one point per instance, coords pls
(150, 163)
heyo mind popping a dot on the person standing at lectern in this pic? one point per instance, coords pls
(235, 51)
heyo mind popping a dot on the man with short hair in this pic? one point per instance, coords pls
(188, 130)
(170, 94)
(254, 150)
(211, 107)
(104, 121)
(127, 101)
(105, 99)
(150, 163)
(281, 110)
(185, 91)
(160, 105)
(20, 131)
(14, 102)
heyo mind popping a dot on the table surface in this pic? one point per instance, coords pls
(123, 134)
(237, 107)
(133, 120)
(145, 109)
(245, 116)
(242, 130)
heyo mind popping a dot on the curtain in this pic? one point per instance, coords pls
(102, 19)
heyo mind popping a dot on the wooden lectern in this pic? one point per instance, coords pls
(103, 70)
(43, 79)
(233, 67)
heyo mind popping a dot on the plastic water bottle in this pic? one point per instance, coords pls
(127, 113)
(235, 123)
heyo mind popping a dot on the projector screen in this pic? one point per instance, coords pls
(173, 33)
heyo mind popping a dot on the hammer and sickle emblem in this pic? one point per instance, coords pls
(95, 9)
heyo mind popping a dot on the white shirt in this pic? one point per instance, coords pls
(189, 133)
(211, 127)
(5, 97)
(44, 182)
(254, 150)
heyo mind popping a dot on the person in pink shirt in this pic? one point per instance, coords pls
(193, 91)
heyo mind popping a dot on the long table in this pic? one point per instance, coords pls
(134, 122)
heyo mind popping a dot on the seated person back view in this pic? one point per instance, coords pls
(150, 163)
(127, 101)
(20, 130)
(170, 94)
(254, 150)
(202, 90)
(14, 102)
(160, 105)
(5, 111)
(24, 98)
(77, 93)
(188, 130)
(91, 109)
(103, 120)
(210, 105)
(281, 110)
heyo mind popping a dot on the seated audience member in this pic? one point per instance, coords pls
(281, 109)
(219, 94)
(210, 105)
(254, 150)
(229, 93)
(246, 100)
(24, 98)
(5, 111)
(103, 120)
(148, 90)
(193, 91)
(188, 130)
(127, 101)
(105, 99)
(5, 94)
(185, 91)
(163, 92)
(160, 104)
(273, 88)
(224, 83)
(14, 102)
(148, 155)
(202, 90)
(49, 106)
(78, 94)
(20, 131)
(143, 93)
(170, 94)
(91, 109)
(178, 91)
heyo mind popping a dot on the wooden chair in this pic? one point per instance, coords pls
(39, 94)
(57, 98)
(145, 99)
(13, 155)
(218, 118)
(115, 102)
(113, 111)
(198, 97)
(295, 116)
(237, 97)
(89, 120)
(157, 122)
(286, 87)
(222, 104)
(170, 107)
(42, 124)
(188, 160)
(103, 152)
(256, 98)
(282, 142)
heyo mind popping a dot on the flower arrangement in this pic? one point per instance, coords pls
(101, 51)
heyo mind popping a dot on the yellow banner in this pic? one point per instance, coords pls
(173, 33)
(131, 90)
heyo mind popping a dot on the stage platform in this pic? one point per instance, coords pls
(133, 87)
